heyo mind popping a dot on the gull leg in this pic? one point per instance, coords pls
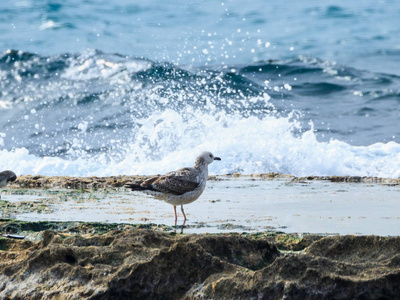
(176, 216)
(183, 214)
(184, 221)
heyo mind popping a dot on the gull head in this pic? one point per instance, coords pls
(207, 157)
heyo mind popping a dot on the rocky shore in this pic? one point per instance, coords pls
(39, 181)
(117, 261)
(81, 260)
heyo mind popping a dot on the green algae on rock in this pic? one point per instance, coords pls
(120, 261)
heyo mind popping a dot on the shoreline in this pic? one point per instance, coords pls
(230, 203)
(41, 181)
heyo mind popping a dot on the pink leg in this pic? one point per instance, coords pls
(176, 216)
(183, 214)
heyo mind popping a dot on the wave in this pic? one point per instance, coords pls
(166, 141)
(98, 114)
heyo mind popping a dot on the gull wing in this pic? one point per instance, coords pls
(177, 182)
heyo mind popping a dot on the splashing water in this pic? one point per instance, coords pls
(96, 114)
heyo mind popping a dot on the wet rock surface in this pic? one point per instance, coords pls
(39, 181)
(354, 179)
(60, 260)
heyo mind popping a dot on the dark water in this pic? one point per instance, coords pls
(98, 88)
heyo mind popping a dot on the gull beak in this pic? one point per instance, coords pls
(217, 158)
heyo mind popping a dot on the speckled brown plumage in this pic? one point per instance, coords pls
(179, 187)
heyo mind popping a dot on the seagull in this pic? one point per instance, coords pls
(178, 187)
(5, 177)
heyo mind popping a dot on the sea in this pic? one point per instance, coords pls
(102, 88)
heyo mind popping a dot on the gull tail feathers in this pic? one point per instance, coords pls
(140, 187)
(136, 187)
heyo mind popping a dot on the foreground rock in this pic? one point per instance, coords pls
(96, 261)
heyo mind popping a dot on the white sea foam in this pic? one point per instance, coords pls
(167, 141)
(5, 104)
(90, 65)
(49, 24)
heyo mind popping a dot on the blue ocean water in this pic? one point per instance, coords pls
(124, 87)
